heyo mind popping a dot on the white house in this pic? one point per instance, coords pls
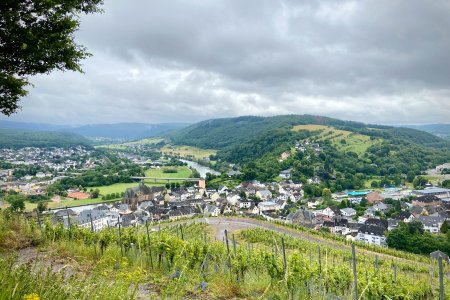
(431, 224)
(243, 203)
(330, 212)
(348, 212)
(95, 220)
(212, 210)
(268, 205)
(264, 194)
(372, 234)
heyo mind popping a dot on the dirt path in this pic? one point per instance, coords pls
(49, 260)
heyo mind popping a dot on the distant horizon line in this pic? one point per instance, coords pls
(194, 122)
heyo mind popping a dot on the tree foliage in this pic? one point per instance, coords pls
(37, 37)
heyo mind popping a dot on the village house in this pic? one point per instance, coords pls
(374, 197)
(431, 224)
(348, 212)
(94, 220)
(404, 216)
(372, 234)
(330, 212)
(212, 210)
(427, 200)
(264, 194)
(268, 205)
(286, 174)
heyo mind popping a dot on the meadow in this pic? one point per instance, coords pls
(188, 151)
(343, 140)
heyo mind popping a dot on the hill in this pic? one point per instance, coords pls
(116, 131)
(440, 130)
(18, 138)
(124, 131)
(350, 153)
(227, 132)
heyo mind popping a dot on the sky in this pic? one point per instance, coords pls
(375, 61)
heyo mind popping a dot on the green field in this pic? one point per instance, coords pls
(354, 142)
(188, 151)
(115, 188)
(182, 172)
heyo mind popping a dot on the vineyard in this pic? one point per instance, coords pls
(185, 261)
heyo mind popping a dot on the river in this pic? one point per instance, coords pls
(201, 169)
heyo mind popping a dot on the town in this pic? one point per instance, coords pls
(365, 216)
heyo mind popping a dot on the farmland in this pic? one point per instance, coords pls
(343, 140)
(188, 151)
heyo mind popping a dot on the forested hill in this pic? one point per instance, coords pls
(350, 153)
(115, 131)
(440, 130)
(228, 132)
(17, 138)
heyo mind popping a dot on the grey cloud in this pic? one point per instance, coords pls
(378, 61)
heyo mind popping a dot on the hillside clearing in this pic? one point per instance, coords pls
(343, 140)
(188, 151)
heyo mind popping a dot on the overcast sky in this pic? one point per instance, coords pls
(379, 61)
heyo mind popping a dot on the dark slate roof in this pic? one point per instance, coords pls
(65, 212)
(134, 191)
(377, 222)
(372, 229)
(402, 215)
(427, 199)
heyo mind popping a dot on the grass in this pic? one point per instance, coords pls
(113, 274)
(188, 151)
(182, 172)
(228, 182)
(354, 142)
(114, 188)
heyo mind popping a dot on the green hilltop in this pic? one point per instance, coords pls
(351, 153)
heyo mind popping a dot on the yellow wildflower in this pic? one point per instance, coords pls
(31, 297)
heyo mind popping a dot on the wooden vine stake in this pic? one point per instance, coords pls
(228, 248)
(355, 275)
(149, 246)
(120, 236)
(441, 279)
(284, 256)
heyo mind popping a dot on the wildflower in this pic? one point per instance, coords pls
(31, 297)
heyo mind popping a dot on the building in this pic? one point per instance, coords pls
(331, 212)
(264, 194)
(404, 216)
(348, 212)
(374, 197)
(433, 191)
(431, 224)
(286, 174)
(372, 234)
(268, 205)
(95, 220)
(427, 200)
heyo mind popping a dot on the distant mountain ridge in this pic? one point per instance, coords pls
(116, 131)
(440, 130)
(20, 138)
